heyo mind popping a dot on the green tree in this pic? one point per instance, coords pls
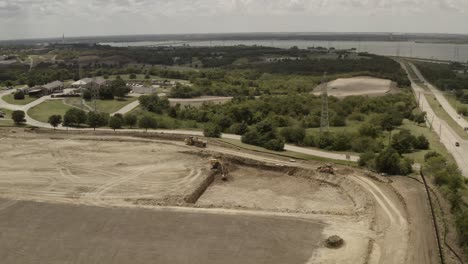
(55, 120)
(154, 103)
(19, 95)
(431, 154)
(403, 141)
(74, 117)
(115, 122)
(389, 161)
(132, 76)
(119, 88)
(97, 119)
(147, 122)
(18, 117)
(130, 120)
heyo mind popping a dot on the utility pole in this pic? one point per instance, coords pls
(324, 122)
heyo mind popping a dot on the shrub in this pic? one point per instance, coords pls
(310, 141)
(431, 154)
(293, 134)
(212, 131)
(275, 144)
(365, 159)
(238, 128)
(369, 130)
(421, 142)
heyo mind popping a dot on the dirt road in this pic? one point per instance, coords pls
(367, 213)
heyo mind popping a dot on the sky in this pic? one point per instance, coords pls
(50, 18)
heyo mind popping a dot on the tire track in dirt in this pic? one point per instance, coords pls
(395, 235)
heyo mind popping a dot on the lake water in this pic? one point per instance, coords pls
(451, 52)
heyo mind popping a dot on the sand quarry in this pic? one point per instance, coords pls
(370, 86)
(87, 198)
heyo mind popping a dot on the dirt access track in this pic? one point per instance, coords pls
(370, 86)
(103, 198)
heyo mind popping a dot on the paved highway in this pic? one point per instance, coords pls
(447, 135)
(442, 100)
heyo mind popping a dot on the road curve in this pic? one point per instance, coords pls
(129, 107)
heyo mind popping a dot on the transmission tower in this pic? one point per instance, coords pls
(95, 92)
(324, 122)
(81, 88)
(456, 53)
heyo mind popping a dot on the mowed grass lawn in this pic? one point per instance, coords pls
(6, 122)
(42, 111)
(9, 98)
(110, 106)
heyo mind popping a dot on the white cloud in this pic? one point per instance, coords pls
(33, 18)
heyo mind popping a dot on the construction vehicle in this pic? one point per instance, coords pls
(195, 141)
(216, 164)
(327, 168)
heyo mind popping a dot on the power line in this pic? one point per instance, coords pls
(324, 117)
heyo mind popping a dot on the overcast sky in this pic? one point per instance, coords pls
(51, 18)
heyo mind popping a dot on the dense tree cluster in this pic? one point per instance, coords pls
(446, 77)
(450, 179)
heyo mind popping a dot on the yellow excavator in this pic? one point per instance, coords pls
(217, 164)
(195, 141)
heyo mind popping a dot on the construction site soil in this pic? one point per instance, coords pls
(97, 198)
(361, 85)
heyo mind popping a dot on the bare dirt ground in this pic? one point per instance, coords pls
(357, 86)
(85, 170)
(59, 233)
(103, 199)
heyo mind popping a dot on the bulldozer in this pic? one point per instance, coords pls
(217, 164)
(327, 168)
(195, 141)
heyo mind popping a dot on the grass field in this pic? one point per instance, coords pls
(110, 106)
(42, 111)
(6, 122)
(441, 113)
(454, 102)
(9, 98)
